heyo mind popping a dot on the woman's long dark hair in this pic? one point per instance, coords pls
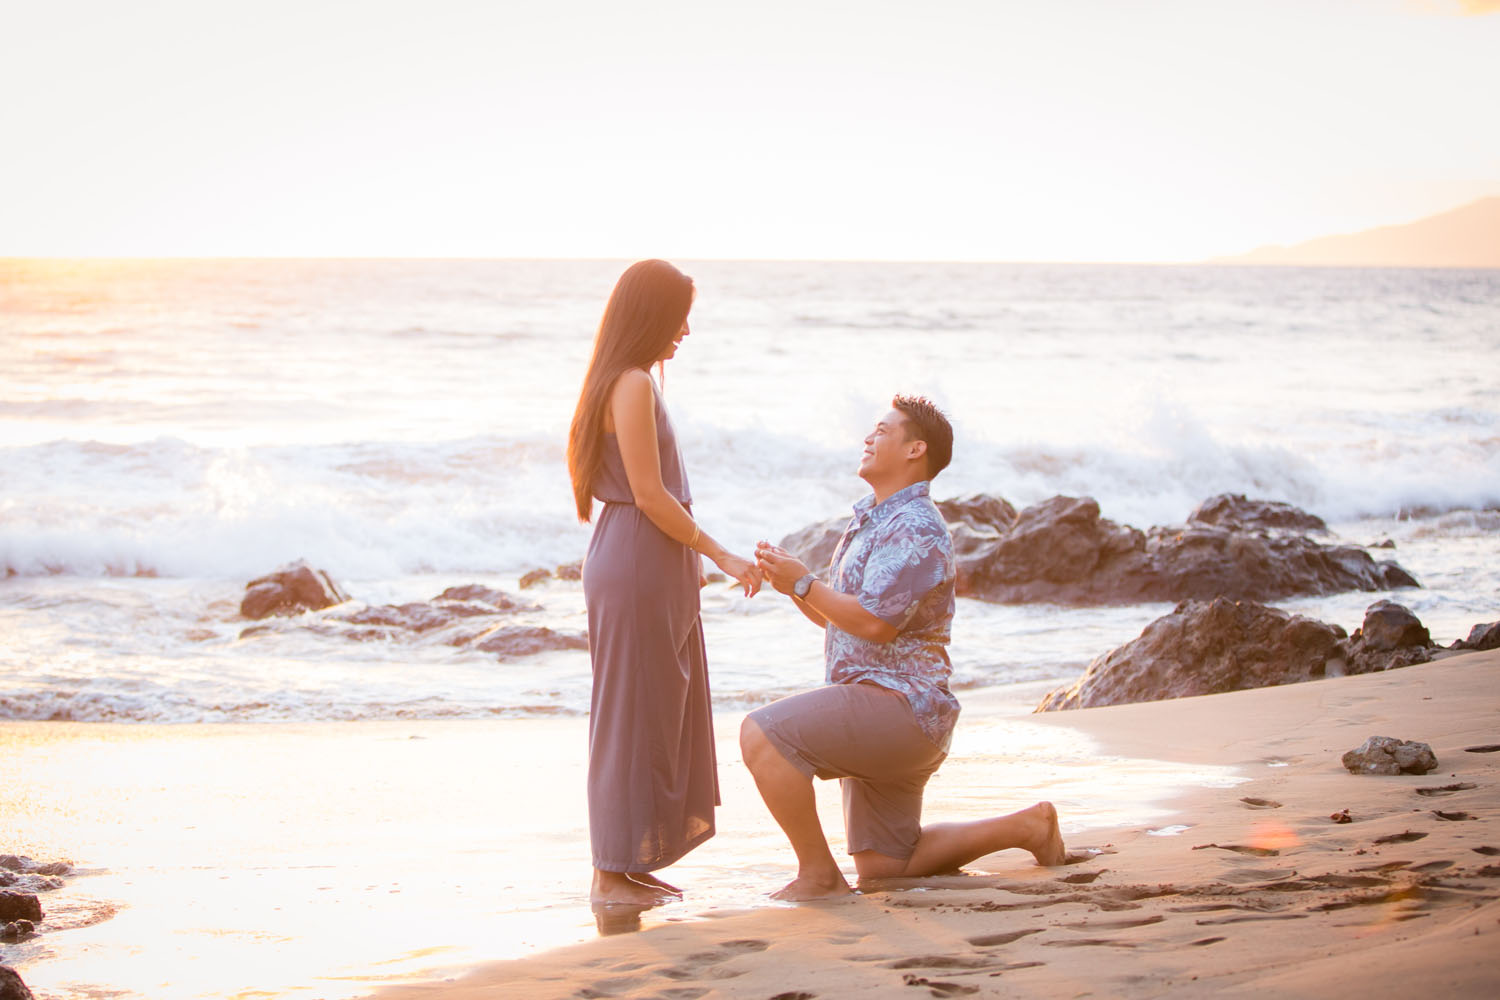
(646, 310)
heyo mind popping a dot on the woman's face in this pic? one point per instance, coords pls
(672, 347)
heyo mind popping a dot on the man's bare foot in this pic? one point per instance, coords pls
(804, 888)
(1047, 843)
(617, 887)
(647, 879)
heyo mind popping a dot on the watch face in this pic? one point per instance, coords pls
(802, 586)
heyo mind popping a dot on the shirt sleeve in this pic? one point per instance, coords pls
(906, 562)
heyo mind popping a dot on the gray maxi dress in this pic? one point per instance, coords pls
(653, 781)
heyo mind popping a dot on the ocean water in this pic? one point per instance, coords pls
(171, 429)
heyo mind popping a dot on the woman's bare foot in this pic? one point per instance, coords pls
(647, 879)
(804, 888)
(1047, 843)
(617, 887)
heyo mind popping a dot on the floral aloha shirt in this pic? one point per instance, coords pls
(897, 558)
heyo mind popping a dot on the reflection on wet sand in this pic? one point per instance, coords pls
(618, 918)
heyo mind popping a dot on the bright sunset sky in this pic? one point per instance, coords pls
(925, 129)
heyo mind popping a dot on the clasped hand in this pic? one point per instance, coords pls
(779, 566)
(746, 573)
(772, 564)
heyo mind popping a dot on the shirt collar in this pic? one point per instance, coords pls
(867, 508)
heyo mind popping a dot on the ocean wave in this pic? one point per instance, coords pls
(375, 509)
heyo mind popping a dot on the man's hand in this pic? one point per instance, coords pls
(780, 567)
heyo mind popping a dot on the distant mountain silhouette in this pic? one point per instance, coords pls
(1464, 237)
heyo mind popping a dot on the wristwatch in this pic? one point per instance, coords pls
(802, 586)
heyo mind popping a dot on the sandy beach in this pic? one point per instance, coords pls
(441, 859)
(1249, 890)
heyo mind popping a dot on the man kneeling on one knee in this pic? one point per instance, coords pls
(885, 719)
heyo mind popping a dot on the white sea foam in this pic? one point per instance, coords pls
(169, 431)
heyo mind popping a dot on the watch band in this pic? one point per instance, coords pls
(803, 586)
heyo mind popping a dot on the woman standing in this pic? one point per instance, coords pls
(652, 779)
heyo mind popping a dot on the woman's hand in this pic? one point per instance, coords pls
(745, 572)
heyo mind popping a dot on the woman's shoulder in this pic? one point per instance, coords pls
(634, 385)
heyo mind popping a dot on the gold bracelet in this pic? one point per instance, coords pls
(697, 534)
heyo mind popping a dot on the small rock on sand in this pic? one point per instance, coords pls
(1387, 755)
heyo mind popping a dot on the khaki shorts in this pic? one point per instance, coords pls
(867, 736)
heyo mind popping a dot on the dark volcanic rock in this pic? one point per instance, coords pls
(461, 612)
(1390, 626)
(1233, 510)
(567, 571)
(524, 640)
(815, 543)
(474, 593)
(1062, 551)
(11, 987)
(472, 616)
(1206, 648)
(977, 523)
(447, 608)
(535, 577)
(289, 591)
(17, 930)
(1390, 637)
(1386, 755)
(19, 906)
(1481, 637)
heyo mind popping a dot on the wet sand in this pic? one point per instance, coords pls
(1249, 890)
(404, 859)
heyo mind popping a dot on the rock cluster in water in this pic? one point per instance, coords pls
(472, 617)
(1209, 647)
(1062, 551)
(1485, 636)
(11, 986)
(567, 571)
(290, 590)
(1387, 755)
(21, 879)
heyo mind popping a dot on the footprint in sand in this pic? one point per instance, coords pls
(1400, 838)
(1082, 878)
(995, 940)
(1487, 748)
(1248, 917)
(1452, 817)
(795, 995)
(705, 963)
(623, 986)
(1402, 895)
(1259, 852)
(1242, 876)
(1116, 925)
(1089, 942)
(1462, 786)
(943, 962)
(1261, 803)
(1491, 851)
(1431, 866)
(940, 989)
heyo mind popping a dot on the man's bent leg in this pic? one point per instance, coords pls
(944, 847)
(788, 793)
